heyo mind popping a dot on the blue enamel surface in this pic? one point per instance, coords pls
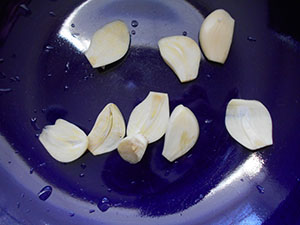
(45, 76)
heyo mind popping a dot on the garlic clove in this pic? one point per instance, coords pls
(182, 133)
(216, 35)
(108, 44)
(64, 141)
(150, 117)
(132, 148)
(182, 55)
(108, 130)
(249, 122)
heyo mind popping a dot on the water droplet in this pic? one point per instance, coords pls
(25, 8)
(44, 110)
(167, 173)
(18, 204)
(17, 152)
(17, 78)
(68, 65)
(5, 90)
(71, 214)
(52, 14)
(199, 198)
(184, 33)
(48, 48)
(1, 60)
(208, 75)
(45, 193)
(33, 121)
(298, 179)
(28, 211)
(133, 32)
(81, 175)
(109, 189)
(91, 211)
(104, 204)
(175, 161)
(83, 165)
(134, 23)
(12, 79)
(85, 77)
(242, 179)
(190, 155)
(260, 189)
(9, 162)
(66, 87)
(31, 170)
(49, 75)
(132, 182)
(73, 25)
(42, 164)
(92, 202)
(207, 121)
(251, 38)
(22, 195)
(81, 189)
(37, 135)
(2, 75)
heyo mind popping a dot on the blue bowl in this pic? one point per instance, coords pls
(45, 76)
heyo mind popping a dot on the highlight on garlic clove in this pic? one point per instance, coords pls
(64, 141)
(182, 133)
(132, 149)
(182, 54)
(147, 123)
(216, 35)
(108, 130)
(108, 44)
(249, 123)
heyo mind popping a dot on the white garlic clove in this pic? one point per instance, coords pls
(108, 44)
(108, 130)
(182, 54)
(64, 141)
(182, 133)
(216, 35)
(132, 148)
(249, 122)
(150, 117)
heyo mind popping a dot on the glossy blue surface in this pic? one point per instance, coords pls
(45, 76)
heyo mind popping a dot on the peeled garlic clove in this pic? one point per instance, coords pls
(216, 35)
(64, 141)
(108, 130)
(182, 54)
(182, 133)
(132, 148)
(249, 123)
(150, 117)
(108, 44)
